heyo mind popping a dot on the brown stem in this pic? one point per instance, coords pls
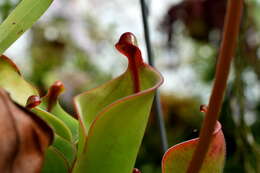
(230, 34)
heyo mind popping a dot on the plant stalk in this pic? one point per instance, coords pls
(227, 49)
(157, 102)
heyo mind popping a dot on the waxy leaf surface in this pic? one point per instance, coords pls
(24, 138)
(178, 157)
(21, 18)
(113, 117)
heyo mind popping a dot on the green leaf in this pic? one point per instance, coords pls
(60, 156)
(54, 162)
(51, 104)
(20, 91)
(114, 116)
(66, 148)
(58, 126)
(13, 82)
(178, 157)
(21, 18)
(67, 119)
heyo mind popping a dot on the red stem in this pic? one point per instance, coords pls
(135, 75)
(230, 34)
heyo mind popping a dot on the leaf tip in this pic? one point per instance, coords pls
(203, 108)
(135, 170)
(10, 62)
(53, 93)
(128, 46)
(33, 101)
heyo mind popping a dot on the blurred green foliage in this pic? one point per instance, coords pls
(5, 7)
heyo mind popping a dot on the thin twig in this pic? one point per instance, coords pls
(230, 34)
(157, 102)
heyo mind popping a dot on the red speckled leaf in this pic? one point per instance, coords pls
(177, 158)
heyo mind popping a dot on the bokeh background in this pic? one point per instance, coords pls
(74, 42)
